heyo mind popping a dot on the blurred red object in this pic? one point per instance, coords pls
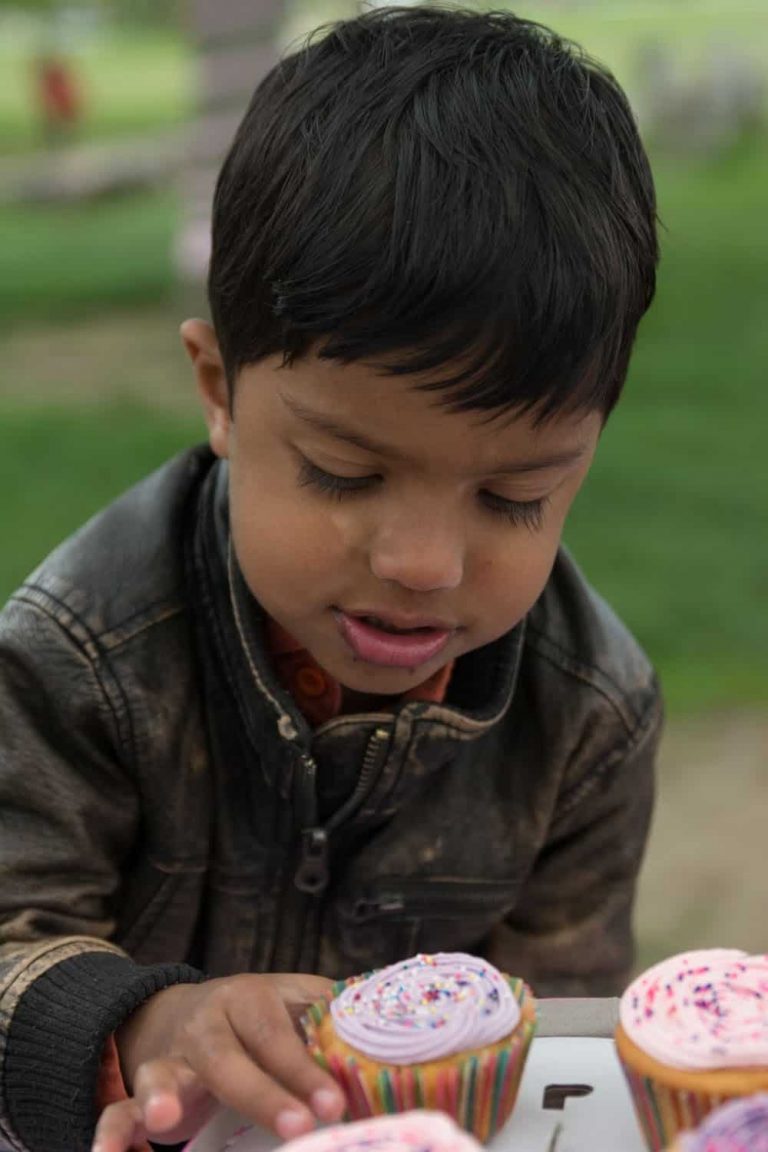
(58, 93)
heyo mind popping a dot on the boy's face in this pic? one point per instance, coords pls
(358, 505)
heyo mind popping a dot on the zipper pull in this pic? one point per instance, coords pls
(364, 908)
(312, 872)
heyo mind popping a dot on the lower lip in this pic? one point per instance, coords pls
(390, 649)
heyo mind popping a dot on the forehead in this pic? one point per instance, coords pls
(416, 425)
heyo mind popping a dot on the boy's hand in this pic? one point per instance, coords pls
(231, 1041)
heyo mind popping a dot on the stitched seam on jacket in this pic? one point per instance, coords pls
(156, 612)
(112, 643)
(124, 723)
(650, 723)
(589, 674)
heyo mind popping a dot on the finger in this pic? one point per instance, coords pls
(157, 1091)
(230, 1073)
(300, 989)
(263, 1026)
(120, 1128)
(172, 1101)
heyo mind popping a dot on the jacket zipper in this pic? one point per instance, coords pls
(312, 873)
(300, 906)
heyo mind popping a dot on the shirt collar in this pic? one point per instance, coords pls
(316, 693)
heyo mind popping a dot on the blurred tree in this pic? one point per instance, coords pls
(705, 111)
(238, 42)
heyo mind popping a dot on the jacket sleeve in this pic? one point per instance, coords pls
(571, 933)
(69, 816)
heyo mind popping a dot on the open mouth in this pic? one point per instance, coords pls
(374, 640)
(384, 626)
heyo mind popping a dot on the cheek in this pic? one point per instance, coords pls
(508, 582)
(513, 576)
(284, 542)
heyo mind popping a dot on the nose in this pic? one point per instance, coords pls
(421, 552)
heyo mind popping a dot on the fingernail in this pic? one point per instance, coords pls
(165, 1110)
(291, 1122)
(326, 1104)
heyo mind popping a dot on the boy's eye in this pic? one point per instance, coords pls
(529, 513)
(310, 476)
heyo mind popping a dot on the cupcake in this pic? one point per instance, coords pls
(740, 1126)
(415, 1131)
(446, 1032)
(693, 1033)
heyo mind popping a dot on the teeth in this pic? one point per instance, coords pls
(376, 622)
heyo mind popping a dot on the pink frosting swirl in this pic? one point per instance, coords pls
(426, 1008)
(741, 1126)
(701, 1010)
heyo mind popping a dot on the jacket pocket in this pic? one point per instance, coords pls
(396, 918)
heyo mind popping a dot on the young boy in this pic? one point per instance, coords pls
(329, 692)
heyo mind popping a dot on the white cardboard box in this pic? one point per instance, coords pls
(600, 1120)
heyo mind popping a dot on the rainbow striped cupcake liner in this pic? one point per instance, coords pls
(477, 1091)
(665, 1112)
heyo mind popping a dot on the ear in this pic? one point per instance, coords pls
(203, 350)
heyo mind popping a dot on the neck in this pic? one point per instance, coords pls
(353, 701)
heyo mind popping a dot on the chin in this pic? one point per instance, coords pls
(384, 681)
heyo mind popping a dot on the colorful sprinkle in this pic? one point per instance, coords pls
(476, 1088)
(701, 1010)
(426, 1008)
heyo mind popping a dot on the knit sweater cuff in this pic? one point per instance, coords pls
(56, 1038)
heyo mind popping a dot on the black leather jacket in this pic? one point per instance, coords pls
(166, 811)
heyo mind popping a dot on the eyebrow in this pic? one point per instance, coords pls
(331, 427)
(322, 423)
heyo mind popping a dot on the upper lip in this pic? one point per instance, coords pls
(403, 619)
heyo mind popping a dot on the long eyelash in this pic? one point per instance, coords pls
(529, 513)
(310, 476)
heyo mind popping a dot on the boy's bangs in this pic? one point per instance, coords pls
(508, 352)
(494, 372)
(486, 284)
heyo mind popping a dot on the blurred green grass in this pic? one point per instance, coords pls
(671, 524)
(60, 464)
(64, 260)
